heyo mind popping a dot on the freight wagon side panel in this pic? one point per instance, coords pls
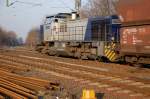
(133, 10)
(135, 40)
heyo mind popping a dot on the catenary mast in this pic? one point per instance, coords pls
(78, 6)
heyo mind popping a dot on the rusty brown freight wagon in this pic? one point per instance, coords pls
(135, 42)
(135, 30)
(134, 10)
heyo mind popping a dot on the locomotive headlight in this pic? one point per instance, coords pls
(112, 38)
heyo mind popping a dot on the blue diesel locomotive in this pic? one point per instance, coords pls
(66, 35)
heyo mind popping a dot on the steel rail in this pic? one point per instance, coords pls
(28, 82)
(17, 86)
(16, 90)
(31, 86)
(11, 93)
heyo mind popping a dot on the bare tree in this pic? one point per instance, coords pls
(8, 38)
(99, 8)
(33, 37)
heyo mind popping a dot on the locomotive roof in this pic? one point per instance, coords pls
(104, 17)
(59, 15)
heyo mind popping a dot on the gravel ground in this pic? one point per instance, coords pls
(74, 86)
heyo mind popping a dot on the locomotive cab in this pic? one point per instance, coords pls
(53, 24)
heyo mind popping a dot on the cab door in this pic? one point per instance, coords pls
(55, 30)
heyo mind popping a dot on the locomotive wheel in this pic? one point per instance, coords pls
(84, 57)
(44, 51)
(57, 54)
(103, 59)
(137, 65)
(77, 55)
(92, 57)
(39, 48)
(52, 53)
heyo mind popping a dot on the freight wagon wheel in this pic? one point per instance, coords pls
(39, 48)
(57, 54)
(44, 51)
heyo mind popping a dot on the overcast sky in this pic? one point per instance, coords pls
(21, 17)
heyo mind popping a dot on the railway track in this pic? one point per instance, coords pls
(99, 78)
(14, 86)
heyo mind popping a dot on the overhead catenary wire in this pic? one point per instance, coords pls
(27, 3)
(37, 4)
(66, 5)
(30, 3)
(33, 4)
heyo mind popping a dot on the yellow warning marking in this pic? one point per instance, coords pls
(106, 50)
(112, 57)
(109, 51)
(88, 94)
(110, 54)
